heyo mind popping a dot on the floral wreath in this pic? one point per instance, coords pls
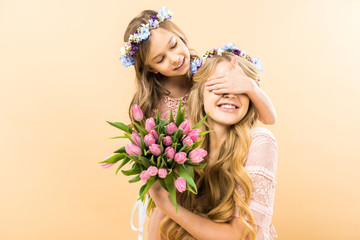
(141, 34)
(230, 47)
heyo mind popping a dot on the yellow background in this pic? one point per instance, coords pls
(61, 80)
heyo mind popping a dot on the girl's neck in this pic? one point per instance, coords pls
(216, 138)
(177, 86)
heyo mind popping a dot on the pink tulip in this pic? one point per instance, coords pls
(155, 149)
(144, 175)
(150, 124)
(149, 140)
(137, 113)
(162, 173)
(170, 128)
(194, 134)
(180, 184)
(187, 141)
(180, 157)
(106, 165)
(185, 126)
(152, 170)
(170, 152)
(136, 138)
(167, 140)
(132, 149)
(197, 155)
(154, 134)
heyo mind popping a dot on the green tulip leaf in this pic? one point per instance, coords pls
(201, 122)
(125, 161)
(185, 173)
(114, 159)
(135, 179)
(121, 126)
(120, 150)
(169, 181)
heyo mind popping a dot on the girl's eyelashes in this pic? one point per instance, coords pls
(162, 58)
(174, 45)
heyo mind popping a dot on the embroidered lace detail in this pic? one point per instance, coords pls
(261, 165)
(167, 102)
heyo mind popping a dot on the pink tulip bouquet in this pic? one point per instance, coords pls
(160, 151)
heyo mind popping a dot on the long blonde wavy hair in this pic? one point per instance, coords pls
(219, 182)
(148, 85)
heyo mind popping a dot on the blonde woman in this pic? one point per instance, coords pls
(237, 187)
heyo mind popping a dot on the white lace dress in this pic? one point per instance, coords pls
(261, 164)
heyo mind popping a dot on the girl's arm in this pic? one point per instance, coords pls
(197, 226)
(236, 82)
(154, 224)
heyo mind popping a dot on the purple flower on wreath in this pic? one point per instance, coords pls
(154, 23)
(236, 52)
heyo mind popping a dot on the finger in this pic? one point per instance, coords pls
(219, 91)
(234, 62)
(220, 75)
(216, 87)
(214, 81)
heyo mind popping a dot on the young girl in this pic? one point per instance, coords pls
(236, 189)
(159, 51)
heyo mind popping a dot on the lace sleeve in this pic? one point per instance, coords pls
(261, 164)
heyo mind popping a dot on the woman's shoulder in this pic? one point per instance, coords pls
(261, 132)
(263, 150)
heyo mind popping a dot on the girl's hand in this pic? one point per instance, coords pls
(234, 81)
(160, 196)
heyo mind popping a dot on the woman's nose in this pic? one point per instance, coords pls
(229, 95)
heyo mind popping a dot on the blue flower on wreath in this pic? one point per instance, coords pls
(229, 46)
(257, 64)
(195, 64)
(193, 67)
(144, 34)
(127, 61)
(163, 13)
